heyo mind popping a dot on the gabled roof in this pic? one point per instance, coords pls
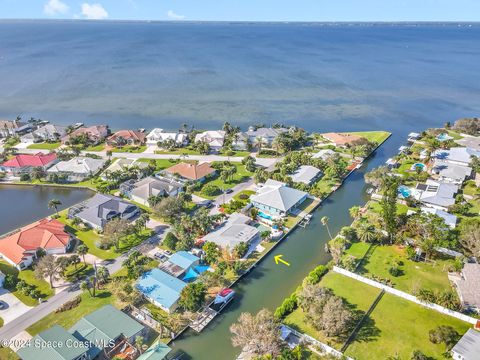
(183, 259)
(105, 324)
(323, 154)
(265, 132)
(278, 195)
(469, 345)
(191, 171)
(305, 174)
(161, 287)
(450, 220)
(157, 351)
(71, 348)
(212, 137)
(45, 234)
(26, 160)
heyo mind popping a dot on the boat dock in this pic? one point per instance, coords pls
(207, 315)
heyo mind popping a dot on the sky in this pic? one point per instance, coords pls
(244, 10)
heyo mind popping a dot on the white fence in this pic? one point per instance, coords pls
(406, 296)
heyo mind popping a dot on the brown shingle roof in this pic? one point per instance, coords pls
(191, 171)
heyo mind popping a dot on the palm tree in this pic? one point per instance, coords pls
(366, 232)
(325, 221)
(354, 211)
(54, 204)
(109, 154)
(85, 286)
(82, 250)
(259, 143)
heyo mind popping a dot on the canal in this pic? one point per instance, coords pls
(268, 284)
(23, 204)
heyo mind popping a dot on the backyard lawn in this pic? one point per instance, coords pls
(414, 275)
(67, 318)
(161, 163)
(240, 176)
(179, 151)
(395, 327)
(373, 136)
(45, 146)
(130, 149)
(376, 207)
(99, 147)
(29, 277)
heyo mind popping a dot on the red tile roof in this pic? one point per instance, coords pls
(191, 171)
(45, 234)
(128, 134)
(25, 160)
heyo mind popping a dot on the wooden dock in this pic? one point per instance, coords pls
(206, 316)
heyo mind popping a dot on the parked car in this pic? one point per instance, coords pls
(228, 191)
(3, 305)
(160, 256)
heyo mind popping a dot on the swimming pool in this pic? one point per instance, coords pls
(404, 191)
(193, 273)
(264, 216)
(418, 165)
(444, 137)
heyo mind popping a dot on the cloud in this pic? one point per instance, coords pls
(94, 11)
(55, 7)
(174, 16)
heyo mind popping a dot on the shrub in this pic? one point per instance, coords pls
(287, 307)
(394, 270)
(69, 305)
(316, 274)
(24, 177)
(170, 241)
(211, 190)
(243, 197)
(10, 281)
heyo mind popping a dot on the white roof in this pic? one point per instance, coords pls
(122, 164)
(78, 165)
(323, 154)
(232, 233)
(468, 347)
(414, 135)
(450, 220)
(212, 137)
(160, 135)
(437, 193)
(457, 154)
(278, 195)
(305, 174)
(451, 171)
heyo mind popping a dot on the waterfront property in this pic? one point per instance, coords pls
(48, 132)
(77, 169)
(236, 230)
(263, 135)
(456, 155)
(467, 286)
(95, 134)
(21, 247)
(451, 172)
(435, 194)
(277, 199)
(323, 154)
(159, 136)
(142, 191)
(13, 128)
(126, 138)
(101, 208)
(161, 289)
(472, 142)
(191, 171)
(449, 219)
(180, 263)
(468, 347)
(214, 139)
(157, 351)
(342, 139)
(106, 330)
(306, 174)
(25, 163)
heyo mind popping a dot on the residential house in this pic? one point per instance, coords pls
(48, 132)
(324, 154)
(141, 191)
(78, 168)
(236, 230)
(456, 155)
(472, 142)
(159, 135)
(468, 347)
(13, 128)
(96, 134)
(191, 171)
(25, 163)
(467, 286)
(276, 199)
(110, 330)
(157, 351)
(413, 136)
(437, 195)
(126, 138)
(68, 346)
(161, 289)
(101, 208)
(450, 219)
(266, 135)
(342, 139)
(214, 138)
(451, 172)
(122, 165)
(180, 263)
(20, 247)
(306, 174)
(240, 141)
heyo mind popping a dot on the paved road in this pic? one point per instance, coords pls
(10, 330)
(225, 198)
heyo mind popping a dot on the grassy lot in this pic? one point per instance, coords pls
(67, 318)
(45, 146)
(373, 136)
(236, 153)
(179, 151)
(415, 275)
(325, 185)
(82, 270)
(161, 163)
(396, 326)
(8, 354)
(99, 147)
(376, 207)
(130, 149)
(240, 176)
(28, 276)
(470, 188)
(243, 192)
(455, 135)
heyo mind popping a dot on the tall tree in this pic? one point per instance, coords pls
(389, 206)
(82, 250)
(115, 230)
(54, 204)
(48, 267)
(325, 220)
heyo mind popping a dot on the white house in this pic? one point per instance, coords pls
(306, 174)
(159, 135)
(214, 138)
(77, 169)
(267, 135)
(435, 194)
(456, 155)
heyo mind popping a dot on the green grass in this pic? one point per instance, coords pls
(68, 318)
(470, 188)
(130, 149)
(373, 136)
(27, 275)
(240, 176)
(415, 275)
(45, 146)
(455, 135)
(243, 192)
(82, 270)
(161, 163)
(237, 153)
(179, 151)
(376, 207)
(99, 147)
(396, 326)
(7, 354)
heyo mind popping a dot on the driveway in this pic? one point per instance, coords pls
(15, 307)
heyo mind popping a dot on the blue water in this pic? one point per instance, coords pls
(264, 216)
(321, 77)
(404, 191)
(418, 165)
(443, 137)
